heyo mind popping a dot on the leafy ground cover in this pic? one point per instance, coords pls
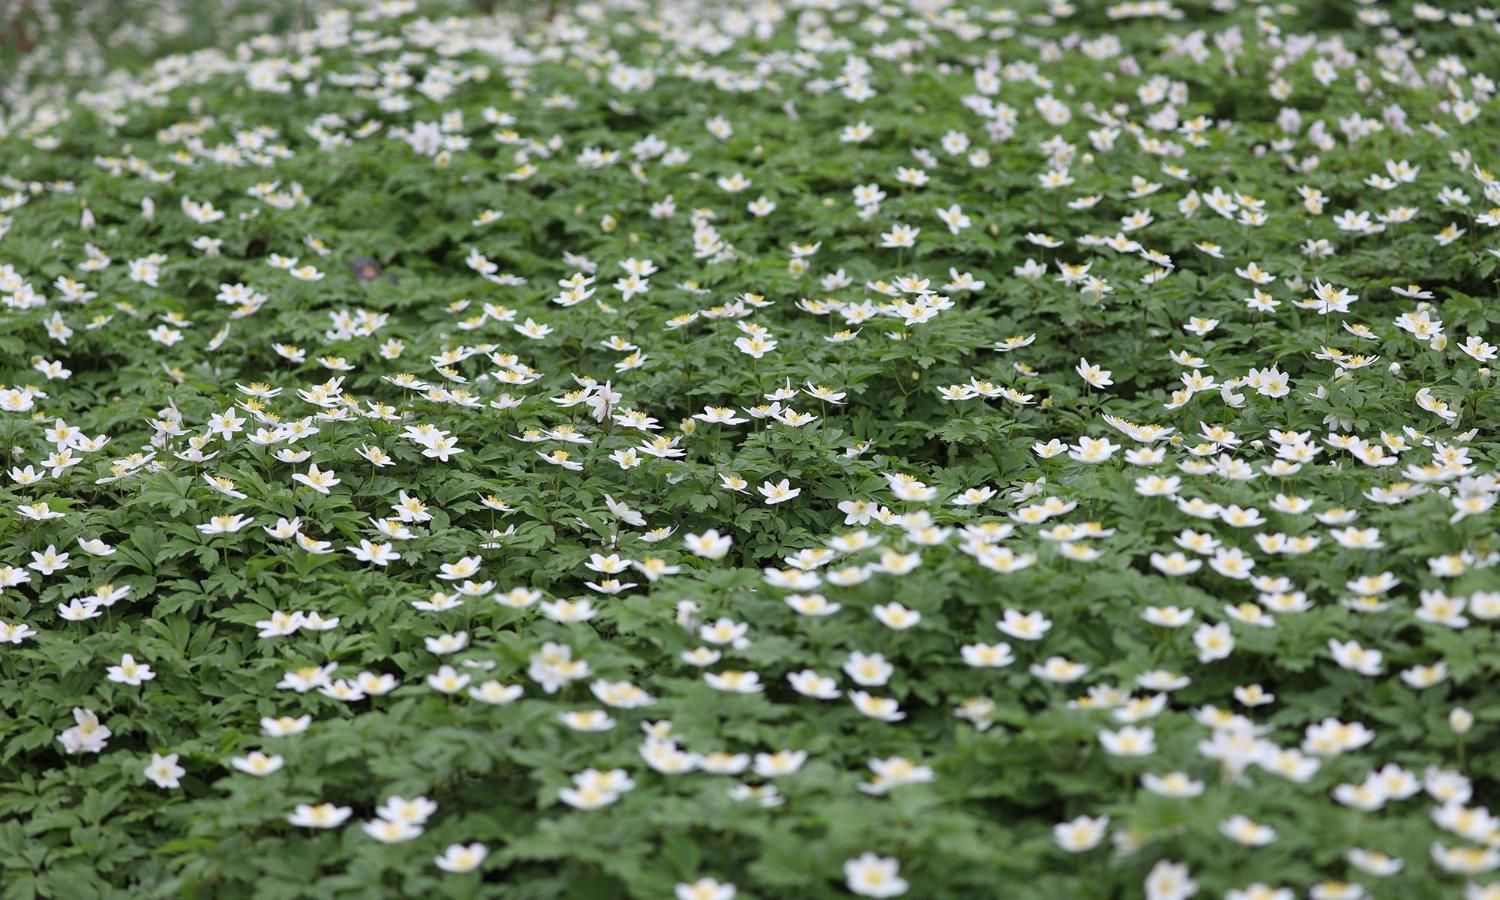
(796, 450)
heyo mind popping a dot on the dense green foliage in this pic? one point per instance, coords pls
(1068, 434)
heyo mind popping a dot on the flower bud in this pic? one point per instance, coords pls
(1460, 720)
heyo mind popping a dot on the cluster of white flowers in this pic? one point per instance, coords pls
(1281, 519)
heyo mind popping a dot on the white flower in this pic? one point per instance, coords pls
(883, 708)
(593, 789)
(782, 762)
(130, 672)
(779, 492)
(1169, 881)
(1032, 626)
(987, 655)
(376, 554)
(87, 736)
(284, 725)
(447, 643)
(1059, 670)
(1080, 834)
(461, 858)
(415, 811)
(705, 889)
(896, 617)
(496, 693)
(389, 832)
(874, 876)
(900, 236)
(1172, 784)
(48, 561)
(15, 634)
(1465, 860)
(164, 772)
(1351, 656)
(324, 815)
(1244, 831)
(1129, 741)
(734, 681)
(1213, 642)
(708, 545)
(868, 671)
(225, 524)
(446, 680)
(258, 763)
(1094, 375)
